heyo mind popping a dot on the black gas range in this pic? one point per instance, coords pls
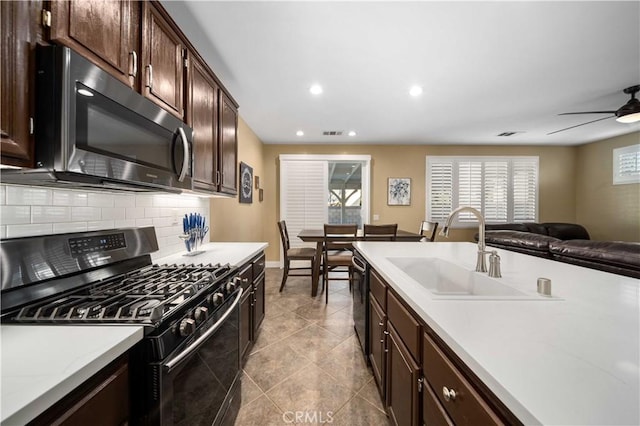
(186, 369)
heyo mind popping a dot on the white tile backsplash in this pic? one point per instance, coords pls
(27, 211)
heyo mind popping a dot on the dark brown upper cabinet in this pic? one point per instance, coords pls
(105, 32)
(228, 145)
(163, 60)
(20, 30)
(202, 116)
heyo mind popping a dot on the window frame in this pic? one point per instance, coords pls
(470, 222)
(619, 179)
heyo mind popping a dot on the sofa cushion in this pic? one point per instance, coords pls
(506, 227)
(566, 231)
(618, 255)
(521, 242)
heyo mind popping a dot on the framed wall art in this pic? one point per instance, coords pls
(246, 183)
(399, 192)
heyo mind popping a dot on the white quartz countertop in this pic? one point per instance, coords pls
(41, 364)
(574, 360)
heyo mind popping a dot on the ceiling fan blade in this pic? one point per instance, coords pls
(578, 125)
(588, 112)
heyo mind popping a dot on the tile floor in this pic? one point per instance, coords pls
(306, 366)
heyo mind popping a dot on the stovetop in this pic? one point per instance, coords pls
(145, 296)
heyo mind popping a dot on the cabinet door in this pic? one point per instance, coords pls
(433, 414)
(103, 31)
(163, 61)
(377, 328)
(202, 116)
(258, 304)
(228, 146)
(402, 382)
(246, 336)
(20, 30)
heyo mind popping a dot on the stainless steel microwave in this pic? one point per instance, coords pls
(93, 130)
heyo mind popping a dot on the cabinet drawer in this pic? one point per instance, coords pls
(408, 328)
(467, 407)
(246, 277)
(258, 266)
(378, 289)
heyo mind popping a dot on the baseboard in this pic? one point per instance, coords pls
(273, 264)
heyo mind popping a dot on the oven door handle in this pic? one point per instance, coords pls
(169, 366)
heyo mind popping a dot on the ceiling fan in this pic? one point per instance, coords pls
(627, 113)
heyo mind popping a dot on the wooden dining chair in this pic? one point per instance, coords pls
(298, 253)
(380, 232)
(337, 253)
(428, 230)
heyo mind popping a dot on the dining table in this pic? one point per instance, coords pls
(317, 236)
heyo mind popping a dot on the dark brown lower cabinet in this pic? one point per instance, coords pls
(433, 414)
(377, 337)
(403, 381)
(252, 304)
(246, 332)
(258, 304)
(103, 399)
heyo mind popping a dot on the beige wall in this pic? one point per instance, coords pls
(557, 181)
(609, 212)
(230, 220)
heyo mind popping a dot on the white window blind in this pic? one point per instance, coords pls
(303, 196)
(626, 165)
(504, 189)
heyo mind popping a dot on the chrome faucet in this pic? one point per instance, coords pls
(481, 263)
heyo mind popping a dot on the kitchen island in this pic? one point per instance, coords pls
(570, 359)
(43, 363)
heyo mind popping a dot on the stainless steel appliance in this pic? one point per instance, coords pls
(187, 366)
(91, 130)
(361, 301)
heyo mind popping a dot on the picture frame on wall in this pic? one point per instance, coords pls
(399, 192)
(246, 183)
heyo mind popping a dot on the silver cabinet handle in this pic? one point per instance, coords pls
(134, 74)
(386, 332)
(448, 394)
(185, 160)
(150, 80)
(380, 324)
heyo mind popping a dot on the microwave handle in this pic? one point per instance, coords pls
(187, 155)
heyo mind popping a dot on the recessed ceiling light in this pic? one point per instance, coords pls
(415, 91)
(351, 133)
(299, 133)
(316, 89)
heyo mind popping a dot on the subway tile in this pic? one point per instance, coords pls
(14, 231)
(100, 224)
(144, 200)
(144, 222)
(84, 214)
(3, 195)
(162, 221)
(12, 215)
(163, 200)
(124, 200)
(29, 195)
(134, 212)
(63, 227)
(3, 231)
(115, 213)
(69, 198)
(100, 199)
(46, 214)
(151, 212)
(125, 223)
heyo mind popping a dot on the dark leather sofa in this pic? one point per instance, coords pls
(566, 242)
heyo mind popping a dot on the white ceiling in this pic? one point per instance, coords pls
(485, 67)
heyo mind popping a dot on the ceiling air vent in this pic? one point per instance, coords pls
(332, 133)
(508, 133)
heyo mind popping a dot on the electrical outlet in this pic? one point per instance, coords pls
(376, 217)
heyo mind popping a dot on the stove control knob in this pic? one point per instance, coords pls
(187, 327)
(231, 286)
(201, 313)
(217, 299)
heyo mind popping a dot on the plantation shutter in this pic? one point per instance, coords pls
(303, 197)
(440, 190)
(496, 186)
(626, 165)
(469, 188)
(525, 190)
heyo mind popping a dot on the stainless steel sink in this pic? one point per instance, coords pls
(447, 280)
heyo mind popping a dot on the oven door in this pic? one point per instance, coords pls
(200, 385)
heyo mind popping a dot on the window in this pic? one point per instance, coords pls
(626, 165)
(504, 189)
